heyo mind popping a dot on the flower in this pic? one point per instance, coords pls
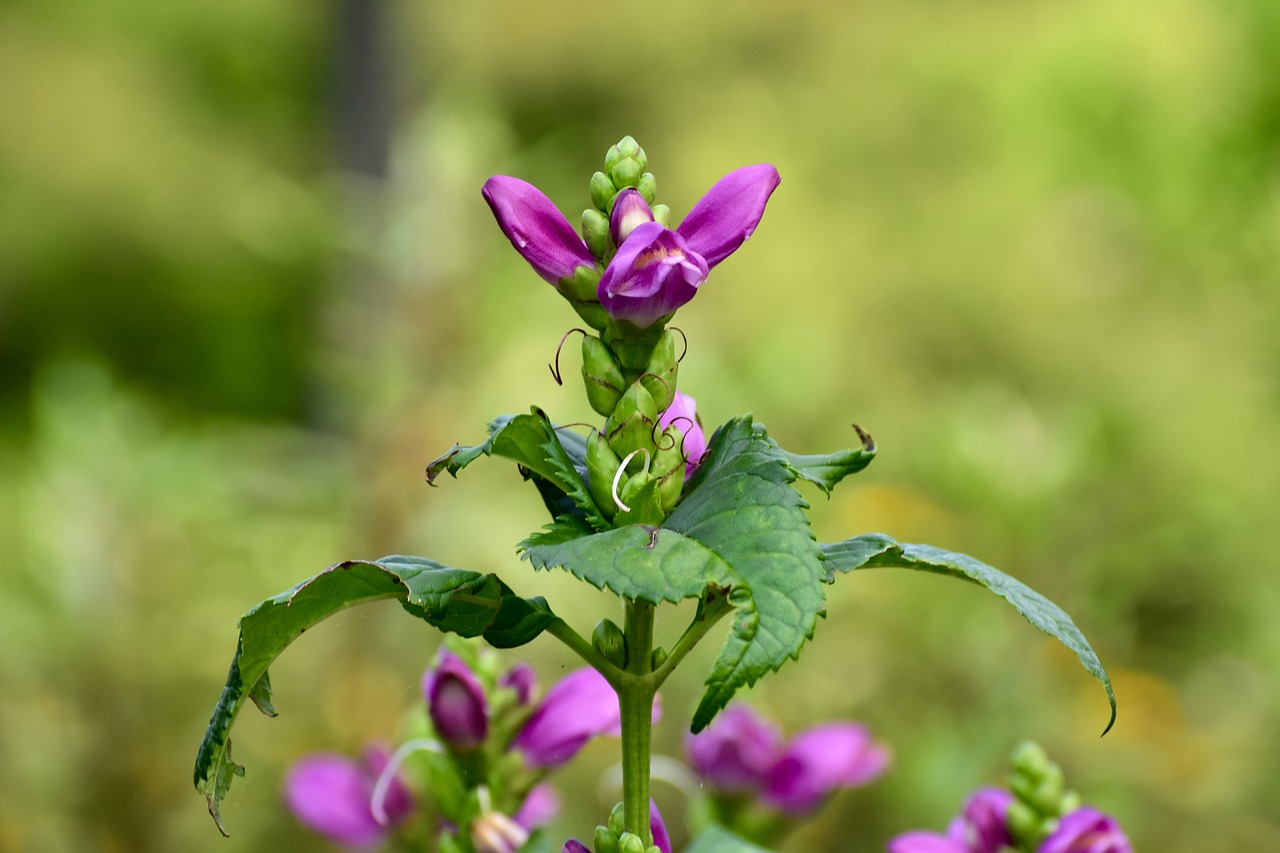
(657, 270)
(683, 412)
(577, 708)
(980, 828)
(456, 703)
(741, 752)
(332, 795)
(523, 680)
(538, 231)
(1087, 830)
(540, 807)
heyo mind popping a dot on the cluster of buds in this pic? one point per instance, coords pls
(475, 760)
(613, 837)
(1036, 815)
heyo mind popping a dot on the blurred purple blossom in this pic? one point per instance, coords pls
(332, 795)
(979, 828)
(683, 413)
(1087, 830)
(740, 752)
(578, 707)
(456, 703)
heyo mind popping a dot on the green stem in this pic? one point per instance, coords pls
(635, 701)
(571, 638)
(710, 611)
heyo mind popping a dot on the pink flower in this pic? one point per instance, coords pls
(577, 708)
(456, 703)
(1087, 830)
(332, 795)
(683, 413)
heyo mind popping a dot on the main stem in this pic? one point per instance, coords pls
(635, 701)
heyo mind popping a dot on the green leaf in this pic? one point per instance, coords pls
(741, 527)
(875, 550)
(717, 839)
(534, 443)
(825, 471)
(462, 602)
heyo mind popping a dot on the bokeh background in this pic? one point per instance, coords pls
(248, 288)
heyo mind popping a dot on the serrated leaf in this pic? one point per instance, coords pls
(538, 448)
(455, 600)
(827, 470)
(742, 527)
(875, 550)
(717, 839)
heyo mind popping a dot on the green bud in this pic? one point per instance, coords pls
(449, 843)
(602, 191)
(1046, 797)
(1023, 823)
(602, 375)
(630, 427)
(640, 496)
(662, 215)
(632, 345)
(628, 147)
(648, 187)
(626, 173)
(1070, 802)
(631, 843)
(602, 464)
(1029, 759)
(659, 377)
(668, 468)
(595, 231)
(593, 314)
(606, 841)
(658, 658)
(608, 640)
(618, 820)
(582, 286)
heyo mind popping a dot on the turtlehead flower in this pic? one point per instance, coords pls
(332, 795)
(741, 753)
(577, 708)
(540, 807)
(980, 828)
(538, 231)
(456, 703)
(683, 413)
(1087, 830)
(656, 269)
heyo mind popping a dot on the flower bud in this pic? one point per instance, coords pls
(640, 496)
(602, 375)
(668, 468)
(456, 704)
(659, 378)
(630, 427)
(658, 658)
(629, 842)
(606, 841)
(1024, 824)
(602, 191)
(648, 187)
(581, 286)
(595, 231)
(626, 173)
(618, 819)
(602, 464)
(608, 640)
(661, 215)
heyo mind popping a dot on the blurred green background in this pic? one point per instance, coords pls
(248, 288)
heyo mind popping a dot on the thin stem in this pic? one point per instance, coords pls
(710, 611)
(635, 701)
(571, 638)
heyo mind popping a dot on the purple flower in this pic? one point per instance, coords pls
(577, 708)
(980, 828)
(522, 679)
(1087, 830)
(456, 703)
(740, 752)
(540, 807)
(737, 752)
(683, 412)
(539, 232)
(657, 270)
(331, 794)
(573, 845)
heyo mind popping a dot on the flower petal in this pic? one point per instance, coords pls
(729, 213)
(683, 413)
(653, 274)
(982, 827)
(539, 232)
(737, 751)
(629, 210)
(817, 761)
(1087, 830)
(540, 807)
(573, 845)
(330, 794)
(523, 680)
(658, 829)
(578, 707)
